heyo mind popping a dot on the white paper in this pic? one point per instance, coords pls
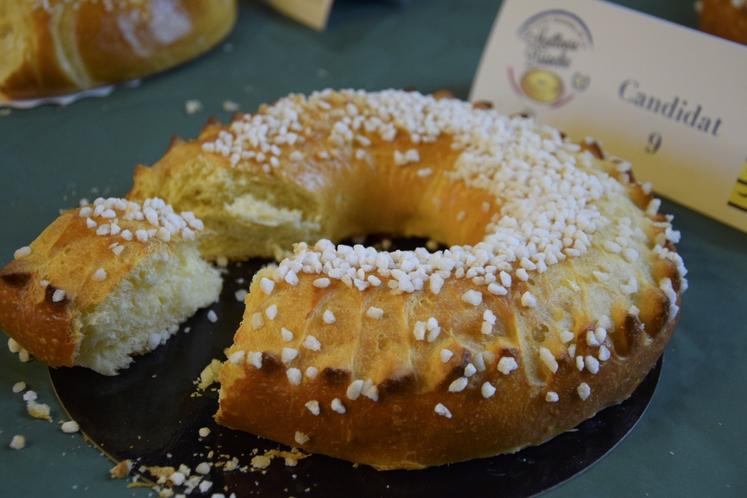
(671, 100)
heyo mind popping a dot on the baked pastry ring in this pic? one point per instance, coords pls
(558, 293)
(54, 47)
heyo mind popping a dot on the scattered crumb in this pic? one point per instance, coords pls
(291, 458)
(70, 427)
(30, 396)
(19, 387)
(209, 375)
(240, 295)
(24, 356)
(38, 410)
(230, 106)
(13, 346)
(261, 462)
(192, 106)
(212, 316)
(121, 470)
(204, 432)
(221, 261)
(18, 442)
(161, 472)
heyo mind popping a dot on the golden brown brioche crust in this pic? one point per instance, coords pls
(83, 44)
(400, 430)
(568, 340)
(28, 314)
(64, 257)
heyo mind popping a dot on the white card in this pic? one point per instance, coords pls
(671, 100)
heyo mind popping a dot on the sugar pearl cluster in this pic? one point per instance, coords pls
(106, 217)
(547, 189)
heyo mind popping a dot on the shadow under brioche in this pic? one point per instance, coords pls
(558, 293)
(60, 46)
(105, 282)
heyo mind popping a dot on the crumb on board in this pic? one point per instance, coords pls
(121, 470)
(291, 458)
(209, 374)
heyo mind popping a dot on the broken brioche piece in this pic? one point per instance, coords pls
(105, 282)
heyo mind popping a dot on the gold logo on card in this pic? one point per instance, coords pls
(542, 85)
(552, 73)
(738, 197)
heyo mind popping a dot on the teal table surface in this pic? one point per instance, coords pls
(692, 440)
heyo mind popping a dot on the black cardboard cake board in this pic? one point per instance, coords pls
(148, 414)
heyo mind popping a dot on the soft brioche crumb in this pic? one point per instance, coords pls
(145, 308)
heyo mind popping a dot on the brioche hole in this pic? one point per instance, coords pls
(540, 332)
(49, 292)
(382, 342)
(335, 375)
(16, 279)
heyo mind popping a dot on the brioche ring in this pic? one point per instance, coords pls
(53, 47)
(558, 293)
